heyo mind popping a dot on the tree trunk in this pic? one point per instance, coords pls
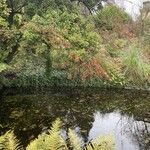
(11, 19)
(48, 61)
(13, 51)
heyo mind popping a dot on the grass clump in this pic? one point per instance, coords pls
(136, 70)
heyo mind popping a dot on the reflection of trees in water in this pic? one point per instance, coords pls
(29, 117)
(138, 131)
(31, 114)
(139, 121)
(141, 132)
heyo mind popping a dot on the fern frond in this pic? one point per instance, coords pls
(75, 141)
(56, 126)
(8, 141)
(51, 141)
(38, 144)
(102, 143)
(54, 141)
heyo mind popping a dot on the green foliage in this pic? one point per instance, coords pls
(9, 36)
(40, 6)
(143, 29)
(68, 33)
(111, 17)
(3, 22)
(54, 42)
(115, 46)
(78, 30)
(117, 79)
(102, 143)
(135, 68)
(53, 140)
(84, 41)
(75, 141)
(3, 67)
(8, 141)
(4, 11)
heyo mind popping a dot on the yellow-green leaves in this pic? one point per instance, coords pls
(9, 142)
(102, 143)
(75, 142)
(4, 10)
(3, 67)
(53, 140)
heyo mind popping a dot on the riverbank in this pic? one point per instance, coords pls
(66, 47)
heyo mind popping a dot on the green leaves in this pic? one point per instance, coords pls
(51, 141)
(30, 36)
(4, 10)
(136, 70)
(102, 143)
(3, 22)
(9, 142)
(3, 67)
(110, 17)
(54, 141)
(75, 142)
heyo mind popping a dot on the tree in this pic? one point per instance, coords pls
(91, 5)
(16, 7)
(9, 41)
(40, 32)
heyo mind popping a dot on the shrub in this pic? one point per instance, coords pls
(110, 17)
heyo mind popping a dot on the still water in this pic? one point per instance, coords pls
(90, 112)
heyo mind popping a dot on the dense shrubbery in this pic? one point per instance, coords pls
(111, 17)
(67, 46)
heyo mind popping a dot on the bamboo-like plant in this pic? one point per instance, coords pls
(53, 140)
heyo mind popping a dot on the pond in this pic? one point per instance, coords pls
(90, 112)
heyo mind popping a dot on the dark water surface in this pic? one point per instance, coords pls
(124, 114)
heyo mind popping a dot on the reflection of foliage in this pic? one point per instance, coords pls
(28, 115)
(53, 140)
(143, 139)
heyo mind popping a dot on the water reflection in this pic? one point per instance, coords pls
(126, 115)
(126, 130)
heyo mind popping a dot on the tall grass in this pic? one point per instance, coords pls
(136, 70)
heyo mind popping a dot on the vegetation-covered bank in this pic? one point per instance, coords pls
(72, 43)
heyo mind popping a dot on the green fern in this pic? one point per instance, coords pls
(54, 141)
(75, 141)
(9, 142)
(102, 143)
(51, 141)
